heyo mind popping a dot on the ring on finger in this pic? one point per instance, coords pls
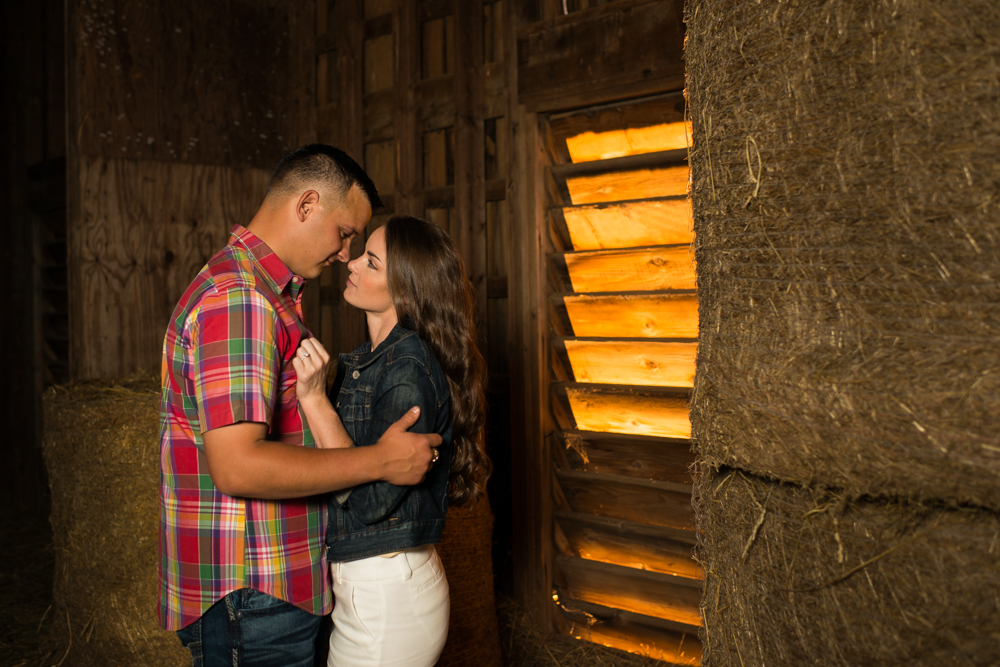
(435, 455)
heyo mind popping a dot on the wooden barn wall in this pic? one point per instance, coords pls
(166, 153)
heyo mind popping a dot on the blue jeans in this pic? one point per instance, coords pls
(248, 628)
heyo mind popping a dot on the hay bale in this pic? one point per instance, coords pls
(101, 448)
(466, 552)
(845, 192)
(798, 576)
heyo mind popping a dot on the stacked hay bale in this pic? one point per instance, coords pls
(846, 187)
(101, 447)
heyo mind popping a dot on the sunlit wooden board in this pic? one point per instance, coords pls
(624, 413)
(633, 316)
(624, 185)
(640, 592)
(628, 544)
(647, 363)
(642, 223)
(629, 141)
(637, 269)
(655, 638)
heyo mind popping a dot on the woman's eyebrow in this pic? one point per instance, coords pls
(371, 254)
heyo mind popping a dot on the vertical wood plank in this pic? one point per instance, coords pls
(348, 324)
(530, 457)
(470, 146)
(409, 176)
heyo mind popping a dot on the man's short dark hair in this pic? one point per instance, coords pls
(316, 164)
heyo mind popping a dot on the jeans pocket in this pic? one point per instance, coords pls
(197, 659)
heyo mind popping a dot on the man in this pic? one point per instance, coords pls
(242, 564)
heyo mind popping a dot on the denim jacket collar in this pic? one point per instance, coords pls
(360, 360)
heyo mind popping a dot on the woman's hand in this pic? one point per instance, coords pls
(311, 362)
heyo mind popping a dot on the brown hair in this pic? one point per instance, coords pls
(427, 282)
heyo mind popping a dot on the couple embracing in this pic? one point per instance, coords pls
(282, 505)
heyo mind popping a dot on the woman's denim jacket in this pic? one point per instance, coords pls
(372, 391)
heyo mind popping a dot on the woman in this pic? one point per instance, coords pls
(390, 588)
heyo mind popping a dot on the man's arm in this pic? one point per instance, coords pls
(243, 463)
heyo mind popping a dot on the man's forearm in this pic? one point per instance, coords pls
(275, 470)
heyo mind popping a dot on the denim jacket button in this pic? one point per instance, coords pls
(355, 375)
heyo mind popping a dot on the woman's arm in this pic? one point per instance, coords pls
(310, 362)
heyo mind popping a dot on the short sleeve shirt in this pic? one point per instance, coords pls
(227, 358)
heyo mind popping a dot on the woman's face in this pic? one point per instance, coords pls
(367, 286)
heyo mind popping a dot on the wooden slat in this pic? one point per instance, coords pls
(647, 363)
(652, 637)
(629, 544)
(631, 315)
(661, 459)
(624, 410)
(632, 269)
(638, 141)
(637, 591)
(625, 185)
(626, 225)
(656, 503)
(668, 108)
(601, 54)
(409, 185)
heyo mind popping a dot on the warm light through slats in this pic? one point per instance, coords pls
(628, 544)
(633, 316)
(654, 364)
(635, 270)
(622, 413)
(680, 649)
(629, 141)
(625, 185)
(663, 222)
(614, 587)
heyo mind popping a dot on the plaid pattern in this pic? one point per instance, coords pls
(226, 359)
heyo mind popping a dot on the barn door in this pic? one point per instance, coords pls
(624, 325)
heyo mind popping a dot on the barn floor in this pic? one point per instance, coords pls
(26, 568)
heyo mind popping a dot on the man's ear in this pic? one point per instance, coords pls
(306, 204)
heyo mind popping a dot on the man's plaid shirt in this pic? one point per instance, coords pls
(227, 358)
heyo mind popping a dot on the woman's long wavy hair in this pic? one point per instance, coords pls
(427, 282)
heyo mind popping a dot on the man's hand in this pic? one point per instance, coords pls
(406, 457)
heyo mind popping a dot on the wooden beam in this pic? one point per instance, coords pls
(626, 185)
(530, 457)
(637, 591)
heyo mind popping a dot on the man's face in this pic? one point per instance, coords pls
(327, 233)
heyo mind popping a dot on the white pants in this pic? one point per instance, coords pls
(389, 611)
